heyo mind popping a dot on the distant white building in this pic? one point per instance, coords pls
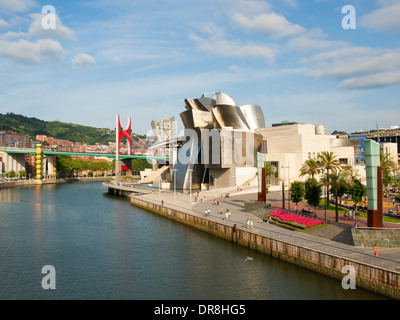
(288, 146)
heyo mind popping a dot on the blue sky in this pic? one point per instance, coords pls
(141, 59)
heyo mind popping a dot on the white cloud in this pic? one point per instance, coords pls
(234, 48)
(16, 5)
(60, 31)
(384, 19)
(257, 16)
(377, 80)
(357, 67)
(3, 23)
(31, 53)
(354, 61)
(82, 61)
(270, 24)
(312, 41)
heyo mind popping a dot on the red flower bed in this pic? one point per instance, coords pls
(286, 217)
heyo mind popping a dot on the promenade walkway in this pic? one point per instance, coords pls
(388, 257)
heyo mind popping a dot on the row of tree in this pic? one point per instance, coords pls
(67, 166)
(338, 180)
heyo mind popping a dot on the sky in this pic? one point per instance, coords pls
(297, 59)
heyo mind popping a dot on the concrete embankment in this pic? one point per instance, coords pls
(378, 279)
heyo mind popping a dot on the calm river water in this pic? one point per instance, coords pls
(103, 248)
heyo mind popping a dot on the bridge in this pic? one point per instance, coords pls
(82, 154)
(45, 159)
(15, 158)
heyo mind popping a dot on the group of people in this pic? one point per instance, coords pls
(350, 215)
(221, 211)
(249, 223)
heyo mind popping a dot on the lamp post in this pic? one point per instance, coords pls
(190, 186)
(174, 174)
(159, 187)
(215, 188)
(288, 167)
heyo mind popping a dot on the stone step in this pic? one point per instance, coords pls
(334, 232)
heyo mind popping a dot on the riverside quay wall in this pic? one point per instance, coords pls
(370, 277)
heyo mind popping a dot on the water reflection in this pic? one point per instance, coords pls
(104, 248)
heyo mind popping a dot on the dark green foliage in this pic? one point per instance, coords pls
(357, 191)
(313, 192)
(66, 165)
(140, 165)
(297, 191)
(60, 130)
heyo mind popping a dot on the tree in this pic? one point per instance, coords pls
(296, 192)
(139, 165)
(327, 161)
(64, 164)
(22, 174)
(11, 174)
(313, 192)
(310, 167)
(269, 169)
(337, 179)
(357, 192)
(388, 168)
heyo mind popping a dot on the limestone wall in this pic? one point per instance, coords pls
(364, 237)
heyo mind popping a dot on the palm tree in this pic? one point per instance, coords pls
(310, 168)
(336, 179)
(388, 168)
(327, 161)
(269, 169)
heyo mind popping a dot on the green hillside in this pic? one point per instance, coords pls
(60, 130)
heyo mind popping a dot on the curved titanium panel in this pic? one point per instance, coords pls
(230, 116)
(254, 116)
(202, 119)
(187, 119)
(206, 103)
(224, 99)
(195, 104)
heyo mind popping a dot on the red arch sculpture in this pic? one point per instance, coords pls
(120, 133)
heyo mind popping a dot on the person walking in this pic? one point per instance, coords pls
(251, 223)
(229, 214)
(248, 223)
(209, 212)
(376, 250)
(345, 215)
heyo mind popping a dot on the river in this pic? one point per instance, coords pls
(101, 247)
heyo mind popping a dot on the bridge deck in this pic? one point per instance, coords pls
(82, 154)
